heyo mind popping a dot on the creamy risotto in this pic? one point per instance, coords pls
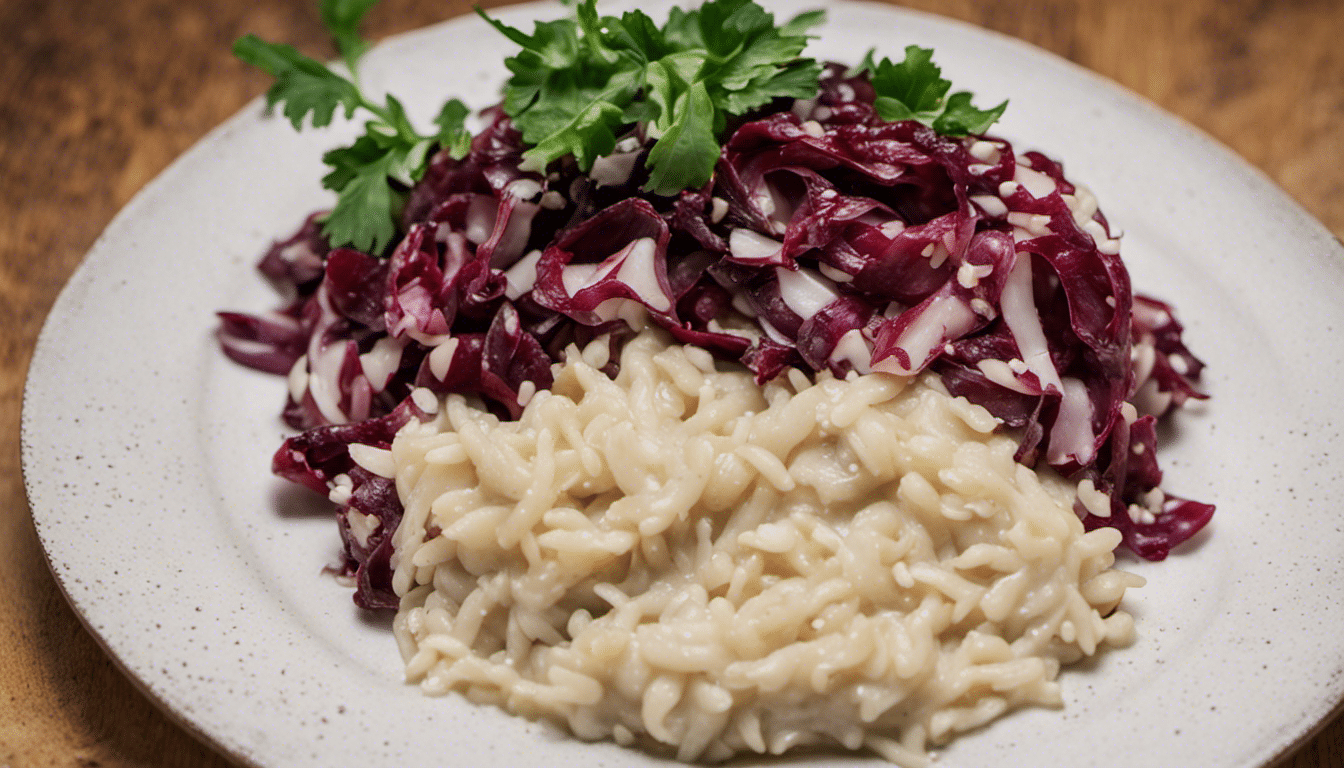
(681, 559)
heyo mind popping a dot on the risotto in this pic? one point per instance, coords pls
(682, 559)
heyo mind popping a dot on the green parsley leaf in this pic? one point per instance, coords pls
(638, 36)
(552, 45)
(581, 122)
(346, 163)
(305, 86)
(665, 81)
(959, 118)
(453, 134)
(367, 206)
(679, 158)
(798, 81)
(371, 175)
(800, 24)
(342, 19)
(915, 90)
(866, 65)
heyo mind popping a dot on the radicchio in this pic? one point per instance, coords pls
(828, 240)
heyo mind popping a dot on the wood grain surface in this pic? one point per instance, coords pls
(97, 97)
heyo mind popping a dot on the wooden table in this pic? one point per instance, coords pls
(97, 97)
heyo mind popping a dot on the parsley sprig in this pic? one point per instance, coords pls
(370, 176)
(576, 85)
(579, 82)
(915, 90)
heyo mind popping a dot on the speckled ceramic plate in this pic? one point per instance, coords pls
(147, 453)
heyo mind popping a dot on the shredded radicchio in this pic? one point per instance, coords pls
(827, 240)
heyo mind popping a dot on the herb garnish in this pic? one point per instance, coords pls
(915, 90)
(576, 85)
(579, 82)
(369, 176)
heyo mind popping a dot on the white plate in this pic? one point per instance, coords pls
(147, 454)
